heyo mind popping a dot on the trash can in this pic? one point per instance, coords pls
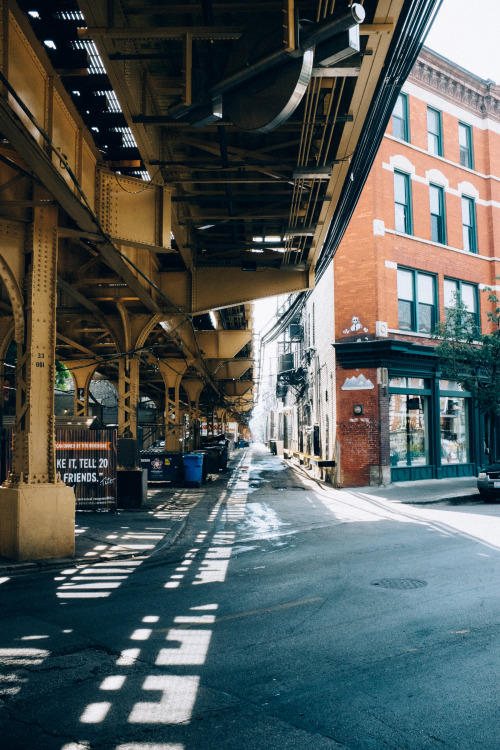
(224, 457)
(204, 468)
(213, 459)
(162, 466)
(193, 469)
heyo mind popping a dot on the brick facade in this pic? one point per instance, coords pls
(364, 388)
(367, 261)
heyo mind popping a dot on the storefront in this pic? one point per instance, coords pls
(428, 427)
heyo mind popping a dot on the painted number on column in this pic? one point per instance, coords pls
(40, 362)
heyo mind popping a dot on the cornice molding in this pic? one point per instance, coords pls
(391, 353)
(441, 77)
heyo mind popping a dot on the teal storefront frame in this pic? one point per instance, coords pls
(403, 359)
(439, 430)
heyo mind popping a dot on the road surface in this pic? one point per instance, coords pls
(289, 616)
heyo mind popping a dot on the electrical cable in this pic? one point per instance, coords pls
(64, 163)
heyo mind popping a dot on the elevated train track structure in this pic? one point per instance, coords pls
(161, 161)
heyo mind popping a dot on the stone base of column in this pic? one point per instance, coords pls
(380, 475)
(37, 521)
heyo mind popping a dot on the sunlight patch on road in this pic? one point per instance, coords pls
(19, 659)
(175, 706)
(141, 634)
(128, 657)
(114, 682)
(95, 582)
(192, 650)
(95, 713)
(22, 657)
(169, 698)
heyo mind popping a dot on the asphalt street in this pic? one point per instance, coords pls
(286, 616)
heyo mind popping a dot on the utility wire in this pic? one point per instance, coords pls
(64, 163)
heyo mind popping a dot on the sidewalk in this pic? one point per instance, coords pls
(421, 492)
(124, 534)
(425, 491)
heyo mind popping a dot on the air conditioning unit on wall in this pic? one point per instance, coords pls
(286, 362)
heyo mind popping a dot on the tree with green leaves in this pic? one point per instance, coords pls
(472, 359)
(63, 376)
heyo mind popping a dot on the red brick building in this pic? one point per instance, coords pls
(427, 226)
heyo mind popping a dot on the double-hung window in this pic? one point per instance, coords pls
(454, 290)
(438, 216)
(416, 301)
(434, 132)
(465, 144)
(400, 119)
(402, 202)
(469, 224)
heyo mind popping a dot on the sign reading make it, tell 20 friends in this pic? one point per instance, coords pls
(86, 461)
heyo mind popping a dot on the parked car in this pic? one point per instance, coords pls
(488, 482)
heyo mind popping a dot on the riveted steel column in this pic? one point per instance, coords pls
(34, 446)
(128, 394)
(222, 417)
(172, 372)
(37, 509)
(193, 389)
(81, 371)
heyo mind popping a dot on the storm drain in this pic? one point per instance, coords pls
(399, 583)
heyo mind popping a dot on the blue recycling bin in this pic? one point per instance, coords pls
(193, 469)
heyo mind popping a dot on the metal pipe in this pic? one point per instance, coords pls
(317, 33)
(320, 32)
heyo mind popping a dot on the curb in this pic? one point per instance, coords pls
(430, 501)
(453, 499)
(45, 566)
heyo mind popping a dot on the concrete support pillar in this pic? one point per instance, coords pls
(172, 372)
(81, 371)
(37, 511)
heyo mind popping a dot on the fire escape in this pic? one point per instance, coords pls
(291, 373)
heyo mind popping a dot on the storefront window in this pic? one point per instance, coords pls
(397, 382)
(408, 426)
(412, 383)
(449, 385)
(454, 430)
(416, 383)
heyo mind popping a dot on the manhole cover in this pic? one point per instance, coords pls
(399, 583)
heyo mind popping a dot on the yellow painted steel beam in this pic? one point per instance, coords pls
(129, 209)
(160, 32)
(213, 288)
(80, 298)
(222, 344)
(53, 141)
(237, 387)
(82, 371)
(222, 370)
